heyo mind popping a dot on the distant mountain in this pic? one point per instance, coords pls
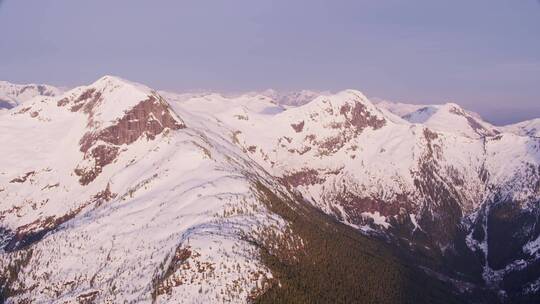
(293, 98)
(525, 128)
(12, 95)
(114, 192)
(398, 108)
(448, 117)
(451, 117)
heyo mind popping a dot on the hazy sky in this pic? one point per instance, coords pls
(482, 54)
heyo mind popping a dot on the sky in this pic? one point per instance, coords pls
(481, 54)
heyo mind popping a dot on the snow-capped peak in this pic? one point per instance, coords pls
(451, 117)
(104, 116)
(340, 98)
(115, 82)
(108, 99)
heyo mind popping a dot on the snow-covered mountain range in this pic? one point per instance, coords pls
(114, 192)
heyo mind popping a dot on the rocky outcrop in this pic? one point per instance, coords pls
(358, 117)
(303, 177)
(298, 127)
(148, 119)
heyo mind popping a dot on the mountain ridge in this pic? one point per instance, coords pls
(12, 95)
(248, 176)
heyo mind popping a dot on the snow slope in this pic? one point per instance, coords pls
(448, 117)
(451, 117)
(525, 128)
(162, 221)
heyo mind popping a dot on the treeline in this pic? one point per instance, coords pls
(339, 265)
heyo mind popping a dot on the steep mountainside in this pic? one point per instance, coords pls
(109, 208)
(110, 193)
(447, 186)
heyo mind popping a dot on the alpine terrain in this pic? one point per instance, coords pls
(117, 193)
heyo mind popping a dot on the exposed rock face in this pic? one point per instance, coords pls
(88, 100)
(441, 204)
(298, 127)
(303, 178)
(149, 118)
(101, 156)
(358, 117)
(351, 117)
(343, 121)
(356, 206)
(23, 178)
